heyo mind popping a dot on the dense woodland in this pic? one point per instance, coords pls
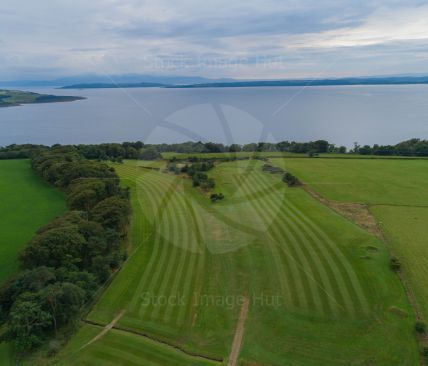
(139, 150)
(71, 257)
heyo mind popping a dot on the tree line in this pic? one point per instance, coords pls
(138, 150)
(412, 147)
(68, 259)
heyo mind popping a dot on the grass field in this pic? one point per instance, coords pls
(397, 194)
(391, 182)
(406, 230)
(27, 203)
(279, 154)
(320, 289)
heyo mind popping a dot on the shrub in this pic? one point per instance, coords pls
(216, 197)
(290, 179)
(395, 264)
(420, 327)
(53, 348)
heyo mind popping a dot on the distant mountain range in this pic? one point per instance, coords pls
(113, 80)
(114, 86)
(147, 81)
(313, 82)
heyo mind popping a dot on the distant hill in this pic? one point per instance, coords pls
(113, 86)
(112, 79)
(313, 82)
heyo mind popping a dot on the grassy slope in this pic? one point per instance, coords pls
(26, 204)
(316, 299)
(406, 229)
(391, 184)
(400, 182)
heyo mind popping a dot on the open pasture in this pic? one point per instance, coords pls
(319, 288)
(27, 203)
(397, 195)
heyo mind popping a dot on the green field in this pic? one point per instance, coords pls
(279, 154)
(397, 194)
(320, 289)
(27, 203)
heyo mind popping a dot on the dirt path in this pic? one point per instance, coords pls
(239, 334)
(105, 330)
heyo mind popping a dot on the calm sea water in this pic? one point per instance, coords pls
(366, 114)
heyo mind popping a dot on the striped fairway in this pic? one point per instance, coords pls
(193, 259)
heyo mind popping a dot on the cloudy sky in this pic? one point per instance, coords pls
(249, 39)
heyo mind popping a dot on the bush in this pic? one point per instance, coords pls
(420, 327)
(395, 264)
(216, 197)
(290, 179)
(53, 348)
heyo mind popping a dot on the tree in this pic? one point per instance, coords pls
(235, 148)
(27, 323)
(112, 212)
(57, 247)
(150, 153)
(290, 179)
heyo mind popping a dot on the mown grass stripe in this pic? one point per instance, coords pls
(160, 222)
(158, 270)
(353, 281)
(199, 259)
(320, 277)
(293, 295)
(153, 257)
(293, 244)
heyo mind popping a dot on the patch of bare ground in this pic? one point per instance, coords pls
(239, 334)
(106, 329)
(356, 212)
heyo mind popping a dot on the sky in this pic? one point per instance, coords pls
(243, 39)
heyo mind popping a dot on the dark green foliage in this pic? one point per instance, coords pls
(290, 179)
(268, 168)
(216, 197)
(27, 323)
(412, 147)
(56, 248)
(420, 327)
(137, 150)
(112, 212)
(197, 170)
(150, 153)
(395, 264)
(69, 258)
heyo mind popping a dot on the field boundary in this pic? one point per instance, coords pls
(106, 329)
(357, 213)
(156, 340)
